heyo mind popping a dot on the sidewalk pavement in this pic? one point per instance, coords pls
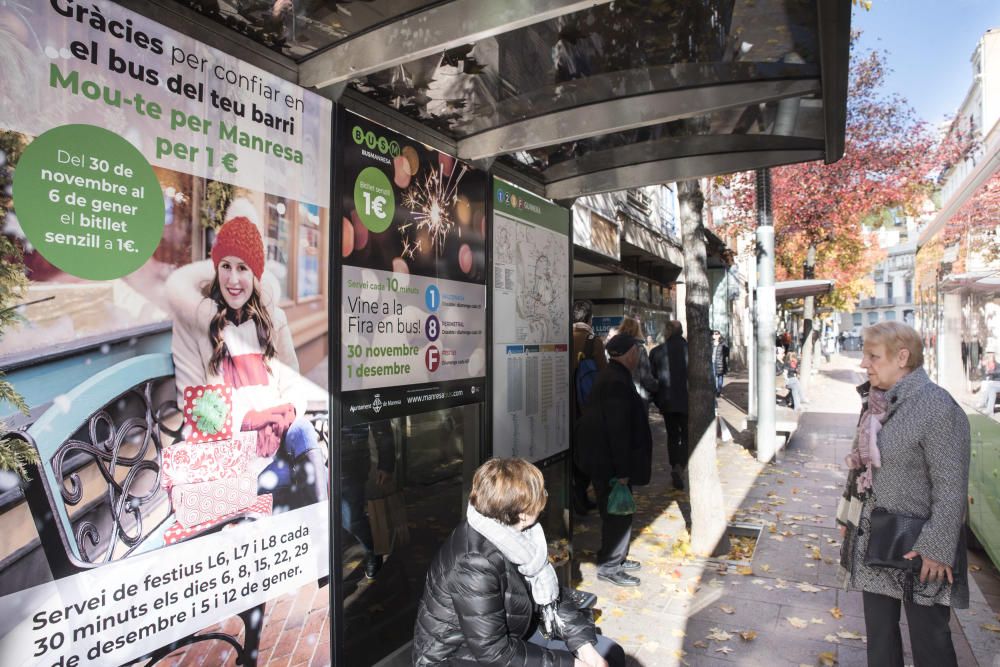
(786, 606)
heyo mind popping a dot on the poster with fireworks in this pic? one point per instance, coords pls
(413, 245)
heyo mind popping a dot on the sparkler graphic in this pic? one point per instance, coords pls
(431, 203)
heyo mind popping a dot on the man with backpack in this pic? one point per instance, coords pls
(588, 360)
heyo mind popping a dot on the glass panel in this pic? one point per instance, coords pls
(308, 267)
(614, 50)
(297, 28)
(403, 487)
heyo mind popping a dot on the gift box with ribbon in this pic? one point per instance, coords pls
(176, 532)
(197, 503)
(208, 412)
(195, 462)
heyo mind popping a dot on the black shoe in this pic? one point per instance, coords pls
(373, 563)
(678, 480)
(619, 578)
(631, 565)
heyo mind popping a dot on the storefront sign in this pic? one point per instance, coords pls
(531, 291)
(413, 279)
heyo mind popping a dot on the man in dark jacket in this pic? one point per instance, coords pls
(614, 444)
(586, 345)
(669, 361)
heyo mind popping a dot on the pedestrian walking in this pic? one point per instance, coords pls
(905, 502)
(491, 591)
(589, 359)
(615, 447)
(642, 377)
(669, 361)
(720, 360)
(991, 382)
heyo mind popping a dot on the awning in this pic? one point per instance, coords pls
(568, 97)
(975, 281)
(798, 289)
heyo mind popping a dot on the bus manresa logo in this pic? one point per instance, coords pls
(375, 142)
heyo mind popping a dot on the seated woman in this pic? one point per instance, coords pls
(491, 586)
(228, 330)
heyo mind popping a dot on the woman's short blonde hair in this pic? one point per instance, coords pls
(504, 489)
(629, 327)
(897, 336)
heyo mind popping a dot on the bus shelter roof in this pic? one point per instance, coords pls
(797, 289)
(566, 97)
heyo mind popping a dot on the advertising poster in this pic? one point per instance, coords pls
(413, 279)
(163, 451)
(531, 289)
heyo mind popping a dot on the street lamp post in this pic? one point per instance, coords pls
(764, 325)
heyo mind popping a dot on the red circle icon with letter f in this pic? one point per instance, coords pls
(432, 358)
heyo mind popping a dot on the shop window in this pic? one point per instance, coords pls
(279, 243)
(309, 266)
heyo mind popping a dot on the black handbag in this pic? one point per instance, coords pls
(890, 536)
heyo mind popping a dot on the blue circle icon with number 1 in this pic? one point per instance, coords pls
(433, 298)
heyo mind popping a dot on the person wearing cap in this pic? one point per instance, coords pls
(614, 446)
(228, 330)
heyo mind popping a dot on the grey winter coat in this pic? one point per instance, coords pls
(925, 448)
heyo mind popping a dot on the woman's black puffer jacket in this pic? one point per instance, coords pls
(477, 610)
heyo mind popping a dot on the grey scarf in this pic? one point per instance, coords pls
(529, 551)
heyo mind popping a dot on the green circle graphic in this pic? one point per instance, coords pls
(88, 201)
(374, 199)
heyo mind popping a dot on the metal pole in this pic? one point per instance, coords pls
(764, 329)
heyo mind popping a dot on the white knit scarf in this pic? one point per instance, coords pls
(527, 549)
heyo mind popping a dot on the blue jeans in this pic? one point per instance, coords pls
(607, 648)
(718, 383)
(793, 386)
(988, 390)
(299, 440)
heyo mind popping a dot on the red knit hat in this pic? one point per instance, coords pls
(240, 238)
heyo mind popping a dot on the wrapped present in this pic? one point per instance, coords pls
(192, 463)
(197, 503)
(208, 412)
(176, 532)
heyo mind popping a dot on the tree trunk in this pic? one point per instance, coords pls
(708, 515)
(808, 315)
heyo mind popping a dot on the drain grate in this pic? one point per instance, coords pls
(743, 541)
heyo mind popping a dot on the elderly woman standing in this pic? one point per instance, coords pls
(491, 590)
(910, 458)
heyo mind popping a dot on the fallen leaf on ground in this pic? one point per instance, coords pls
(827, 659)
(726, 609)
(816, 621)
(992, 627)
(797, 622)
(849, 634)
(748, 635)
(719, 635)
(677, 632)
(765, 567)
(651, 647)
(836, 613)
(700, 644)
(745, 570)
(974, 568)
(816, 555)
(725, 650)
(833, 639)
(808, 588)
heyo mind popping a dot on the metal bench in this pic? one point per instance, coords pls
(96, 494)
